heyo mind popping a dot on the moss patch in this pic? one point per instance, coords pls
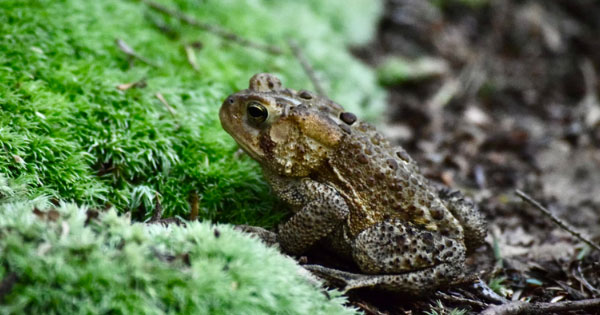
(66, 260)
(69, 136)
(66, 131)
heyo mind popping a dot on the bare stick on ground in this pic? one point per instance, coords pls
(191, 57)
(310, 72)
(519, 307)
(460, 300)
(125, 48)
(138, 84)
(157, 216)
(213, 28)
(193, 199)
(162, 99)
(158, 210)
(556, 220)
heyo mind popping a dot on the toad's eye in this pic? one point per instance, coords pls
(257, 113)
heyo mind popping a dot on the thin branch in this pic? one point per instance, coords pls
(367, 308)
(556, 220)
(194, 200)
(581, 278)
(125, 48)
(157, 215)
(310, 72)
(162, 99)
(162, 26)
(589, 106)
(138, 84)
(191, 57)
(225, 34)
(158, 210)
(519, 307)
(460, 300)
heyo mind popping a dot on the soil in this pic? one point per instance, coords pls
(512, 105)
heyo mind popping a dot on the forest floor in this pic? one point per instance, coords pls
(491, 97)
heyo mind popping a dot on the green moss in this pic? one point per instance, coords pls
(67, 132)
(62, 261)
(69, 136)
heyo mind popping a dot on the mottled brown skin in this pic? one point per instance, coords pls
(346, 184)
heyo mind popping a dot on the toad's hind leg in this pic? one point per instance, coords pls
(401, 257)
(415, 282)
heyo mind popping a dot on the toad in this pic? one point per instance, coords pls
(348, 187)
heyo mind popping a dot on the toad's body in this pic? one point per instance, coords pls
(347, 184)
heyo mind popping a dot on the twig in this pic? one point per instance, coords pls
(124, 47)
(191, 57)
(163, 27)
(367, 308)
(138, 84)
(441, 98)
(581, 278)
(555, 219)
(460, 300)
(520, 307)
(162, 99)
(213, 28)
(158, 210)
(589, 107)
(310, 72)
(157, 215)
(193, 205)
(444, 95)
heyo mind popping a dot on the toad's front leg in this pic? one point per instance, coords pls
(318, 207)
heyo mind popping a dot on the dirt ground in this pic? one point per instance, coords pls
(509, 101)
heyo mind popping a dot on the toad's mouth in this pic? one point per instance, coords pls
(243, 137)
(243, 143)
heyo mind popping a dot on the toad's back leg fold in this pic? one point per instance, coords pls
(401, 256)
